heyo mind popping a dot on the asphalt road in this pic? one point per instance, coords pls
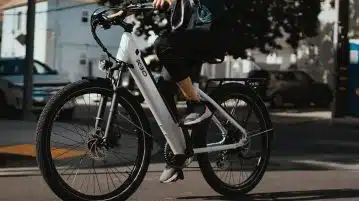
(311, 160)
(276, 185)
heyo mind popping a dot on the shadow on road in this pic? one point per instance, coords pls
(287, 196)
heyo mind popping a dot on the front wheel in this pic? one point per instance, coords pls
(73, 160)
(223, 170)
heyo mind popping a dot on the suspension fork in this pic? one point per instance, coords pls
(112, 113)
(100, 113)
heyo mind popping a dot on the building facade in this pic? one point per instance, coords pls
(63, 37)
(63, 40)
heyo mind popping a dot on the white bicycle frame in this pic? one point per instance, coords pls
(129, 52)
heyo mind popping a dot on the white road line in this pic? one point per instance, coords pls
(337, 142)
(330, 165)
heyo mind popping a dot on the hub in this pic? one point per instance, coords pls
(96, 149)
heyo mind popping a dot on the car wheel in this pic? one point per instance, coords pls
(277, 101)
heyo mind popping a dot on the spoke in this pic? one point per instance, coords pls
(140, 128)
(66, 152)
(98, 182)
(118, 154)
(83, 182)
(84, 139)
(260, 133)
(77, 171)
(232, 165)
(115, 174)
(247, 118)
(68, 138)
(94, 186)
(87, 187)
(72, 131)
(108, 185)
(72, 160)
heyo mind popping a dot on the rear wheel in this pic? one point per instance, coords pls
(238, 100)
(75, 163)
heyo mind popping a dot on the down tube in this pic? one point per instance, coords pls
(129, 52)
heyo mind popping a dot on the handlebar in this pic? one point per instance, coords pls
(117, 18)
(106, 22)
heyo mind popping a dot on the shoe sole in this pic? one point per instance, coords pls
(171, 179)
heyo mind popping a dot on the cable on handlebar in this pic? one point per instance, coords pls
(99, 19)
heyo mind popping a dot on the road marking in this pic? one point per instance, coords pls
(318, 115)
(29, 150)
(353, 144)
(330, 165)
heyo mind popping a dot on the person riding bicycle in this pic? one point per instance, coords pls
(197, 33)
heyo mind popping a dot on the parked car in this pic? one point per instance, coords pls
(293, 86)
(46, 82)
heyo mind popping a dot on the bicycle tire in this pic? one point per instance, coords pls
(43, 132)
(208, 173)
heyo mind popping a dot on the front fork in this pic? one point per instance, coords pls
(108, 137)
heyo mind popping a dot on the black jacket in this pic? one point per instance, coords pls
(188, 14)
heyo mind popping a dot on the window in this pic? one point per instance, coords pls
(11, 67)
(85, 15)
(39, 69)
(19, 15)
(16, 67)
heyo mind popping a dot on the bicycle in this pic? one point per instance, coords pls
(182, 143)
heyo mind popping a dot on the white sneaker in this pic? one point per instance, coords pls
(196, 113)
(171, 174)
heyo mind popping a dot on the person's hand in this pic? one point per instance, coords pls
(160, 3)
(119, 13)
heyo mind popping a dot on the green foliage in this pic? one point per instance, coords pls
(253, 23)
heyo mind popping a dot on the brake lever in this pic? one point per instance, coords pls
(98, 19)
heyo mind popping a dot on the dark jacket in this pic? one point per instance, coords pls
(188, 14)
(208, 10)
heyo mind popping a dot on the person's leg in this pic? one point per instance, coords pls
(175, 56)
(177, 52)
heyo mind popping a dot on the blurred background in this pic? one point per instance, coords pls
(308, 51)
(294, 45)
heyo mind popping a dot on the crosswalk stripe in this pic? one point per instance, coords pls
(29, 150)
